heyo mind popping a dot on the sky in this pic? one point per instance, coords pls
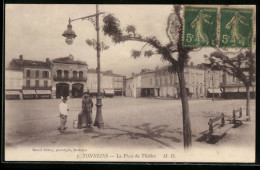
(35, 31)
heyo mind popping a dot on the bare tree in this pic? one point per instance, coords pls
(112, 29)
(242, 66)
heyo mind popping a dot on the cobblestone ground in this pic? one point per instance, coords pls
(129, 122)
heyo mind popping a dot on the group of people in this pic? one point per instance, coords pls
(85, 116)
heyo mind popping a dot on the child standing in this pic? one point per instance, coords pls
(63, 107)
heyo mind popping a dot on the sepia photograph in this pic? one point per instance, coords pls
(129, 83)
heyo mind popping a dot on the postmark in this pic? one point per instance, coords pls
(236, 27)
(200, 26)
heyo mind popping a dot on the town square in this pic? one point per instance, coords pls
(152, 123)
(95, 87)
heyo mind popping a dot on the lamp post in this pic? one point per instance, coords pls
(70, 35)
(213, 85)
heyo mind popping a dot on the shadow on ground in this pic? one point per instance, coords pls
(160, 134)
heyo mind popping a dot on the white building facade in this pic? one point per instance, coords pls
(13, 84)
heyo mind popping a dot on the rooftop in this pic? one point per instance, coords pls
(91, 70)
(68, 60)
(18, 64)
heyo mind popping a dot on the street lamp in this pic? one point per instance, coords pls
(213, 85)
(70, 35)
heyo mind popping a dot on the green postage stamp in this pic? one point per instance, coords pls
(236, 27)
(200, 26)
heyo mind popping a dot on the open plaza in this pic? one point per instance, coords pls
(129, 123)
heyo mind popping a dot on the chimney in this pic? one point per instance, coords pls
(191, 63)
(21, 57)
(157, 67)
(47, 60)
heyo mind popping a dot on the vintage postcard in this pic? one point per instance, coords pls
(130, 83)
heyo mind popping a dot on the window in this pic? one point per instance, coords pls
(186, 77)
(59, 72)
(37, 73)
(176, 80)
(75, 74)
(28, 82)
(28, 73)
(162, 81)
(45, 83)
(45, 74)
(80, 74)
(37, 83)
(66, 74)
(166, 80)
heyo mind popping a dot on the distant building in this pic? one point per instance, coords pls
(130, 87)
(213, 80)
(194, 77)
(111, 84)
(36, 77)
(233, 88)
(92, 82)
(161, 82)
(165, 83)
(69, 77)
(118, 83)
(13, 84)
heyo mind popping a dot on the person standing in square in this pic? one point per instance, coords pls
(87, 105)
(63, 107)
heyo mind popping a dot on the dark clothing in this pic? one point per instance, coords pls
(82, 118)
(63, 121)
(87, 105)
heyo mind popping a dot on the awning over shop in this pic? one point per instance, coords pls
(29, 92)
(231, 89)
(92, 90)
(43, 91)
(243, 89)
(12, 92)
(214, 90)
(109, 91)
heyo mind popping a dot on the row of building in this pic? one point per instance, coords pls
(201, 82)
(64, 76)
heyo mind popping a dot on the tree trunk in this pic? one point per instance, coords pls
(185, 108)
(248, 101)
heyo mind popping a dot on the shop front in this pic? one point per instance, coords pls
(108, 93)
(147, 92)
(216, 92)
(29, 94)
(12, 95)
(119, 92)
(43, 94)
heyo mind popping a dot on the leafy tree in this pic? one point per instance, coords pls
(242, 66)
(112, 29)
